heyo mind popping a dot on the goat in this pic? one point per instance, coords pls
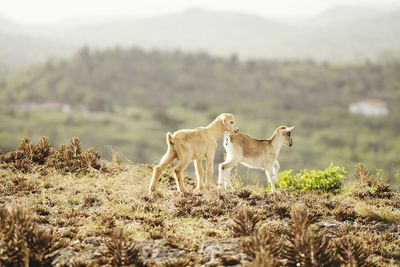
(193, 144)
(258, 154)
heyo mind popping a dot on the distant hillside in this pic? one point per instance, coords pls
(118, 77)
(342, 33)
(20, 48)
(193, 29)
(18, 51)
(342, 14)
(128, 99)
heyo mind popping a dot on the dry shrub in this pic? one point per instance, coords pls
(42, 156)
(344, 213)
(244, 193)
(351, 251)
(363, 176)
(140, 206)
(20, 159)
(17, 185)
(302, 246)
(70, 158)
(245, 222)
(264, 248)
(43, 243)
(357, 245)
(91, 201)
(279, 210)
(42, 151)
(316, 203)
(345, 229)
(122, 250)
(185, 204)
(156, 232)
(212, 204)
(368, 186)
(23, 243)
(264, 259)
(152, 225)
(383, 244)
(306, 247)
(27, 155)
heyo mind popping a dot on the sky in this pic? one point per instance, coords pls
(45, 11)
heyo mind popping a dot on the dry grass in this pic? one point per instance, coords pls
(105, 217)
(384, 214)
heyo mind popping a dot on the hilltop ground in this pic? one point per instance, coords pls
(63, 207)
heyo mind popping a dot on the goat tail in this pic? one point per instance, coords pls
(170, 139)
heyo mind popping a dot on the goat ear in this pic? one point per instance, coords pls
(288, 129)
(222, 117)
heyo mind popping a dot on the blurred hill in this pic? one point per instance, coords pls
(126, 100)
(20, 47)
(346, 14)
(341, 34)
(344, 33)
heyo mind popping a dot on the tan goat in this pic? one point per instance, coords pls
(194, 144)
(257, 154)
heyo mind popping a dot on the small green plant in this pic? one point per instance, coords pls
(328, 180)
(73, 201)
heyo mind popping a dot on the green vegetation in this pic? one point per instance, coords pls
(135, 97)
(328, 180)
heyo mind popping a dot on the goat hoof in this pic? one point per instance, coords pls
(152, 191)
(182, 191)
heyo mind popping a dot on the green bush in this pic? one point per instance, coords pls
(328, 180)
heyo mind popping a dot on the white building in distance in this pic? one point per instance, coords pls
(370, 107)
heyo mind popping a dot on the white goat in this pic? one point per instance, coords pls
(194, 144)
(257, 154)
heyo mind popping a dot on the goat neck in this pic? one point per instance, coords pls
(216, 128)
(277, 141)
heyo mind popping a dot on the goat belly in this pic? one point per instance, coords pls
(250, 163)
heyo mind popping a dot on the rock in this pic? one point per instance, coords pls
(330, 224)
(382, 227)
(227, 251)
(158, 250)
(92, 241)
